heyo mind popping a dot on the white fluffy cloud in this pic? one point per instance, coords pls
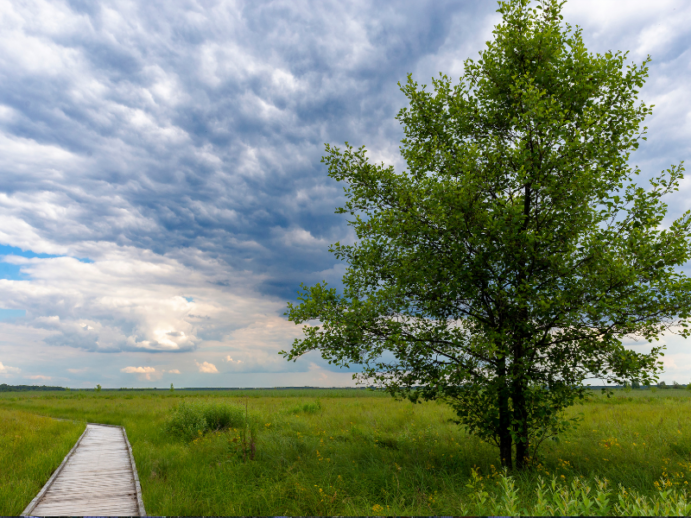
(129, 299)
(206, 367)
(39, 377)
(145, 373)
(6, 369)
(139, 370)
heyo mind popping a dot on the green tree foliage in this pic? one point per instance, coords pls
(504, 267)
(24, 388)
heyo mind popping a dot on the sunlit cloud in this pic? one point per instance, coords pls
(173, 371)
(38, 377)
(148, 373)
(207, 368)
(6, 369)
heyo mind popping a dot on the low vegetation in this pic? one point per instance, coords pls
(192, 420)
(348, 452)
(31, 448)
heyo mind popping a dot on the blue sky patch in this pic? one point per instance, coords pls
(11, 314)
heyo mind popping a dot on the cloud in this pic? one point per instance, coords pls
(141, 370)
(147, 373)
(130, 299)
(174, 371)
(77, 371)
(161, 179)
(207, 368)
(38, 377)
(6, 369)
(230, 360)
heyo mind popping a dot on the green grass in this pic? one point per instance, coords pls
(363, 453)
(31, 448)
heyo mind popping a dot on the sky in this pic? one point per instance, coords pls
(161, 190)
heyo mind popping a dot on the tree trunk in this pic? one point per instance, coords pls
(520, 411)
(519, 386)
(505, 438)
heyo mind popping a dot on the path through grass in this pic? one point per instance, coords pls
(359, 453)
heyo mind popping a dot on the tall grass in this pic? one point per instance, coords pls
(191, 420)
(367, 454)
(574, 498)
(31, 448)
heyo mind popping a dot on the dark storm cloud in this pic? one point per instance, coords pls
(203, 124)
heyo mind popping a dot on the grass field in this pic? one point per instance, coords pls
(31, 447)
(346, 452)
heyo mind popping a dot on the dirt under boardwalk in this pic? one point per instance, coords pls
(97, 478)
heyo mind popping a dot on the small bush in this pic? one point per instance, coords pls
(307, 408)
(222, 417)
(191, 420)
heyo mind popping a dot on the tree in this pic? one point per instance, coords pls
(504, 267)
(98, 388)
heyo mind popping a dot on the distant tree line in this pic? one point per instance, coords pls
(4, 387)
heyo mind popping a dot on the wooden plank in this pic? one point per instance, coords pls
(79, 500)
(94, 510)
(82, 505)
(71, 484)
(98, 477)
(103, 492)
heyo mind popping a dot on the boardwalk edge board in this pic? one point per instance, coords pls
(140, 501)
(103, 507)
(34, 502)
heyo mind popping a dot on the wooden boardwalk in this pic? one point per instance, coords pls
(98, 478)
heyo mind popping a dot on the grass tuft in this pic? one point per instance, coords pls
(311, 407)
(190, 420)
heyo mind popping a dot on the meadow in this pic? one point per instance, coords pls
(349, 452)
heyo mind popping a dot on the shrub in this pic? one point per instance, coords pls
(191, 420)
(224, 416)
(307, 408)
